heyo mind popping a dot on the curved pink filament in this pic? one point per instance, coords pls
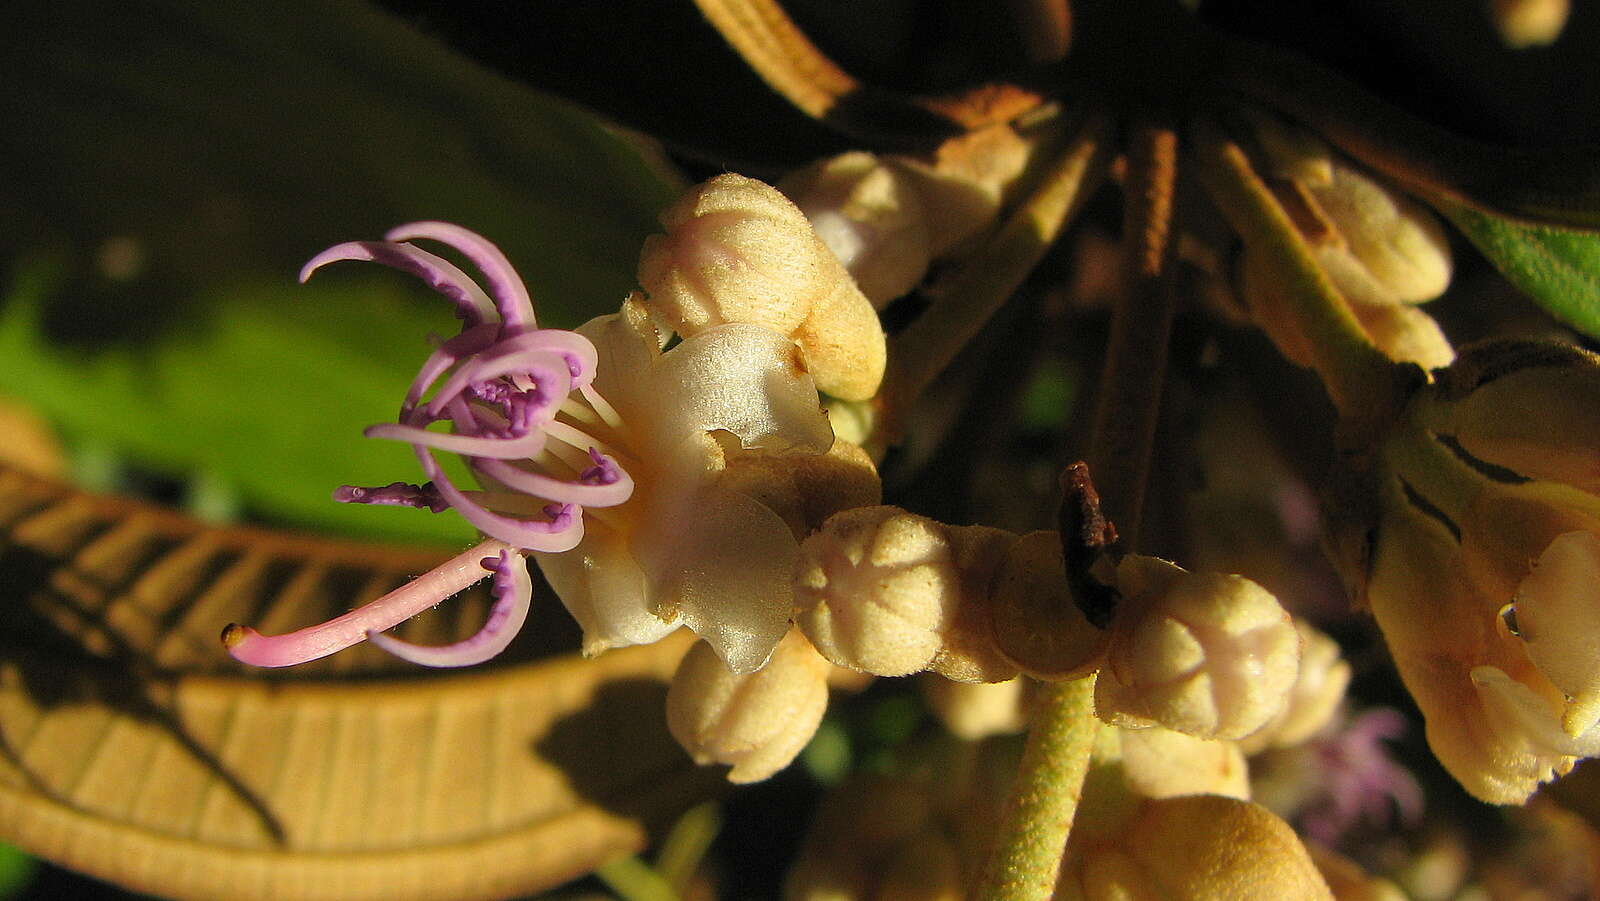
(555, 379)
(560, 490)
(456, 574)
(469, 342)
(505, 286)
(513, 596)
(468, 445)
(561, 533)
(474, 305)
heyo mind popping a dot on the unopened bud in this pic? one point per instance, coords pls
(1192, 848)
(1210, 655)
(881, 590)
(870, 216)
(1529, 23)
(755, 721)
(1162, 763)
(1315, 698)
(1406, 335)
(1531, 408)
(736, 250)
(1376, 244)
(963, 184)
(977, 710)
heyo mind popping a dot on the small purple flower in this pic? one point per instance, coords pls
(1359, 782)
(521, 410)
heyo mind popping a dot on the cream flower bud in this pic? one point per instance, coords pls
(884, 591)
(1162, 763)
(1533, 408)
(755, 721)
(1404, 333)
(1377, 245)
(977, 710)
(1210, 655)
(870, 216)
(1191, 848)
(1315, 698)
(736, 250)
(1529, 23)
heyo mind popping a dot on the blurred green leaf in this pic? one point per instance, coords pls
(270, 393)
(1558, 268)
(178, 159)
(16, 869)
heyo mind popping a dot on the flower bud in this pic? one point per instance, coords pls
(1161, 763)
(1035, 621)
(1191, 848)
(1377, 245)
(736, 250)
(1404, 333)
(870, 216)
(1532, 408)
(1529, 23)
(881, 590)
(963, 185)
(977, 710)
(1210, 655)
(755, 721)
(1315, 698)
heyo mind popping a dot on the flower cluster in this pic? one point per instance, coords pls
(632, 473)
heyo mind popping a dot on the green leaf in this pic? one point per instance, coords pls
(16, 869)
(178, 160)
(1558, 268)
(270, 393)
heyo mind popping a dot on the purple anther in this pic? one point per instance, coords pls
(394, 494)
(605, 471)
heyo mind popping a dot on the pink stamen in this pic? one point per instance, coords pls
(513, 595)
(505, 286)
(246, 645)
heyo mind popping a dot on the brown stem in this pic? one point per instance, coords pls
(1135, 366)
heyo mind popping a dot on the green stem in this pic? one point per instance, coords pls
(919, 353)
(1364, 384)
(633, 880)
(1038, 816)
(1037, 819)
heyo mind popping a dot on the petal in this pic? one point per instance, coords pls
(605, 591)
(1559, 621)
(471, 303)
(513, 595)
(746, 379)
(454, 575)
(505, 286)
(724, 562)
(1518, 712)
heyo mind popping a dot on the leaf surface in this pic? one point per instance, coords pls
(133, 749)
(1559, 268)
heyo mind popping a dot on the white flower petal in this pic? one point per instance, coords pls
(1517, 712)
(1558, 617)
(723, 561)
(605, 591)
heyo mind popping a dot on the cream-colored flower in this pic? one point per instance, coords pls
(606, 458)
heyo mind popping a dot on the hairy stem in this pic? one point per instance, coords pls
(1037, 819)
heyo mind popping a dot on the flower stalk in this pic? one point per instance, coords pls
(1037, 819)
(1362, 382)
(923, 350)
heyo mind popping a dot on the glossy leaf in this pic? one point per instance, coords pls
(133, 749)
(1558, 268)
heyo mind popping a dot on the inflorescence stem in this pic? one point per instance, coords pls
(1037, 820)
